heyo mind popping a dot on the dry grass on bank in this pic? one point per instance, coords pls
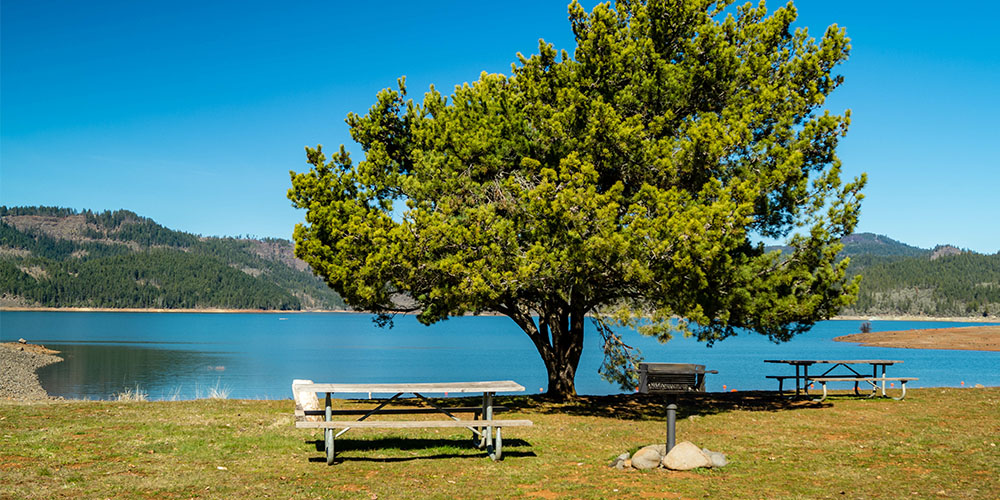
(937, 443)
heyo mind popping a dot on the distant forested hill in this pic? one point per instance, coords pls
(58, 257)
(943, 282)
(899, 279)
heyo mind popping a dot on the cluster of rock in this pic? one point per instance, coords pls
(18, 362)
(684, 456)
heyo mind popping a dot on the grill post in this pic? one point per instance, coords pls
(671, 422)
(671, 380)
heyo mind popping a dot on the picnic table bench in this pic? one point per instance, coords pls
(802, 378)
(485, 428)
(871, 380)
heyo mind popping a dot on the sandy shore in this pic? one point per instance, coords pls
(966, 338)
(18, 366)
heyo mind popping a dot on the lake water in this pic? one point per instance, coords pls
(188, 355)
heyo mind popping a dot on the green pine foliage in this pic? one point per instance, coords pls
(121, 260)
(625, 183)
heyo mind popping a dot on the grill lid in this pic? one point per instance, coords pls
(671, 378)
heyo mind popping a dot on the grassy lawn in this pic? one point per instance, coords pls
(938, 443)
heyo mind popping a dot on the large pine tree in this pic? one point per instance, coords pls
(627, 182)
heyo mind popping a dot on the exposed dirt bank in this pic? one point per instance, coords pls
(965, 338)
(18, 364)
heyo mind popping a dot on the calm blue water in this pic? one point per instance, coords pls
(184, 356)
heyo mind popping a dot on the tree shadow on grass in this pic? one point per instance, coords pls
(653, 407)
(635, 406)
(447, 448)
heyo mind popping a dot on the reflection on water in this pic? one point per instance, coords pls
(98, 371)
(190, 355)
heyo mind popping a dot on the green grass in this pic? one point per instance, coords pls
(938, 443)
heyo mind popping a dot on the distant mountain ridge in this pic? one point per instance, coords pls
(872, 244)
(59, 257)
(877, 244)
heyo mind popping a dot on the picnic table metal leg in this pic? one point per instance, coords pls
(902, 385)
(477, 436)
(821, 399)
(489, 416)
(328, 433)
(480, 432)
(492, 446)
(497, 453)
(857, 390)
(883, 379)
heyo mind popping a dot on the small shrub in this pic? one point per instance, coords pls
(132, 395)
(218, 392)
(866, 327)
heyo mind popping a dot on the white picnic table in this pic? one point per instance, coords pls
(486, 431)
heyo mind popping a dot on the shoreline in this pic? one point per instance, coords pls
(152, 310)
(906, 317)
(902, 317)
(19, 365)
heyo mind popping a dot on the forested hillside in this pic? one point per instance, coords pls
(899, 279)
(58, 257)
(963, 284)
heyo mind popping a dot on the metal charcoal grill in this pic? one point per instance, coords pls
(672, 380)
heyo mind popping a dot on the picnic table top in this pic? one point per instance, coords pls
(834, 361)
(434, 387)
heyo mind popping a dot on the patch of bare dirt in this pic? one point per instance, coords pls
(965, 338)
(35, 348)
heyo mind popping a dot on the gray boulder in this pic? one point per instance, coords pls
(718, 459)
(686, 456)
(619, 462)
(648, 457)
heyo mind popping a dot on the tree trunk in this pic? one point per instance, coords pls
(561, 382)
(558, 337)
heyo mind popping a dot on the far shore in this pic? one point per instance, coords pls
(954, 319)
(151, 310)
(906, 317)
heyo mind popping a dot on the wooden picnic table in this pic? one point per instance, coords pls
(482, 428)
(802, 377)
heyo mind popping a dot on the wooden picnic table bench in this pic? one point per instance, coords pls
(802, 378)
(482, 423)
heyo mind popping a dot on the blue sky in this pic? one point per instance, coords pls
(192, 112)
